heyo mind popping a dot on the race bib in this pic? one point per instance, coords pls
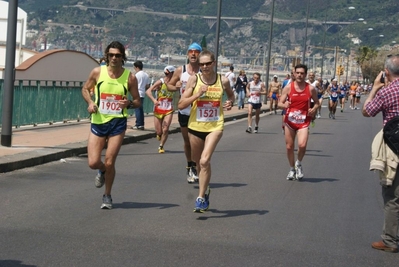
(109, 104)
(165, 103)
(297, 116)
(208, 111)
(334, 94)
(255, 98)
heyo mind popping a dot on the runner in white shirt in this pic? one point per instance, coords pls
(179, 81)
(254, 91)
(231, 76)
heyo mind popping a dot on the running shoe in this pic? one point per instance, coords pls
(333, 116)
(190, 178)
(342, 110)
(100, 179)
(161, 150)
(330, 115)
(193, 174)
(107, 202)
(249, 129)
(202, 204)
(299, 172)
(291, 175)
(256, 129)
(271, 112)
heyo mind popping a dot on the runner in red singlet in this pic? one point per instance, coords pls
(295, 98)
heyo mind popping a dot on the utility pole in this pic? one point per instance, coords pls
(9, 77)
(306, 35)
(269, 53)
(219, 14)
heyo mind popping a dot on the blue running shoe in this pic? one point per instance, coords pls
(202, 204)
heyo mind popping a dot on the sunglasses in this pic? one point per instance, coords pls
(205, 64)
(191, 51)
(111, 55)
(397, 55)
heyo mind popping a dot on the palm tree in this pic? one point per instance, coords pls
(366, 59)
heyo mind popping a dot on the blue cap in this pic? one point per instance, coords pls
(195, 46)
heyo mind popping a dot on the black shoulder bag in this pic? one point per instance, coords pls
(391, 134)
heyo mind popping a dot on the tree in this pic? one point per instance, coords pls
(369, 61)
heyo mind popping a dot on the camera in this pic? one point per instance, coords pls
(382, 79)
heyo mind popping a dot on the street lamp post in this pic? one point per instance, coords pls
(219, 12)
(9, 77)
(269, 52)
(306, 33)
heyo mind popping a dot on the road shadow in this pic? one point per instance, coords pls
(138, 205)
(230, 213)
(14, 263)
(321, 133)
(318, 155)
(259, 133)
(220, 185)
(317, 180)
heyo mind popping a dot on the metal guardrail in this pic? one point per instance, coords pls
(42, 102)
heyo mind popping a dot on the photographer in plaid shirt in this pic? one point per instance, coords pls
(385, 99)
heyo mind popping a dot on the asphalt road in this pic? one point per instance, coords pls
(51, 216)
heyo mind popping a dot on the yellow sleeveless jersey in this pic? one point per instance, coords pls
(108, 92)
(206, 113)
(165, 99)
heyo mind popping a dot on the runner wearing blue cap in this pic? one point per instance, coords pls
(178, 82)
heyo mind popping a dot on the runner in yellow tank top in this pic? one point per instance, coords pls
(204, 91)
(108, 111)
(163, 106)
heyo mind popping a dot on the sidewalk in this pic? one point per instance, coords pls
(33, 146)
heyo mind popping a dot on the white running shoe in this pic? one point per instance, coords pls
(107, 202)
(299, 172)
(99, 179)
(291, 175)
(193, 174)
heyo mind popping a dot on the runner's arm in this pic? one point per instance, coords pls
(173, 85)
(313, 95)
(187, 98)
(154, 87)
(247, 89)
(90, 83)
(229, 92)
(263, 89)
(282, 102)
